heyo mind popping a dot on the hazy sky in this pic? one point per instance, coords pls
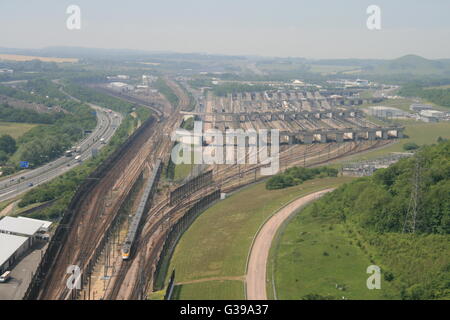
(302, 28)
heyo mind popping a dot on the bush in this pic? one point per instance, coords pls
(297, 175)
(410, 146)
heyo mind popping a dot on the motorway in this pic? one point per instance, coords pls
(106, 125)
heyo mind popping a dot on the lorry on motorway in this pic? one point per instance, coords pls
(5, 277)
(102, 141)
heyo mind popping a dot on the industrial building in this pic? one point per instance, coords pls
(120, 86)
(12, 248)
(417, 107)
(25, 227)
(432, 113)
(17, 235)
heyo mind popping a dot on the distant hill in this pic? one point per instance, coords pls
(412, 64)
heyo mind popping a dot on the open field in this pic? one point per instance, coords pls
(182, 171)
(14, 129)
(16, 57)
(218, 242)
(314, 255)
(402, 104)
(211, 290)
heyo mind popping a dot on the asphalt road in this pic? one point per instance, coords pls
(259, 253)
(106, 126)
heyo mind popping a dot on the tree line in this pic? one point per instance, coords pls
(297, 175)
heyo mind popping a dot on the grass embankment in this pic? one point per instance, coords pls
(211, 290)
(14, 129)
(328, 246)
(313, 255)
(214, 250)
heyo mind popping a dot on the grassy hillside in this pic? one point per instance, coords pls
(363, 222)
(412, 64)
(214, 250)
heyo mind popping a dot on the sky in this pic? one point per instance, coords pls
(314, 29)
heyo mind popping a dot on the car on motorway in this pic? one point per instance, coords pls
(30, 184)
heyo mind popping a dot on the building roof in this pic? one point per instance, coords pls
(45, 224)
(20, 226)
(9, 244)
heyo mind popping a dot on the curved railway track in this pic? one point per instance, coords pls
(132, 277)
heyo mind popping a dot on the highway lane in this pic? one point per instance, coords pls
(106, 126)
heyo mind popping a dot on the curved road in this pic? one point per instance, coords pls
(106, 125)
(259, 253)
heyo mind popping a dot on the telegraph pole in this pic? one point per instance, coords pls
(409, 224)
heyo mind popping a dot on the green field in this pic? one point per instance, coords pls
(210, 290)
(218, 242)
(314, 255)
(182, 171)
(14, 129)
(402, 104)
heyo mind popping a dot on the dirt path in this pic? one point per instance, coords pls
(259, 254)
(8, 209)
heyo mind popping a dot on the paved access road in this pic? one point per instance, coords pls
(107, 122)
(259, 254)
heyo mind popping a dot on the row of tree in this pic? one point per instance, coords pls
(435, 95)
(297, 175)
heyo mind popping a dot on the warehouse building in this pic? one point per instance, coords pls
(25, 227)
(11, 249)
(417, 107)
(432, 113)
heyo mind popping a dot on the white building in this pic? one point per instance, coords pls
(12, 247)
(45, 224)
(24, 227)
(121, 86)
(432, 113)
(417, 107)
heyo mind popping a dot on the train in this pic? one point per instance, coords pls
(137, 218)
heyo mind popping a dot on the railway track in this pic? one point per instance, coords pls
(97, 213)
(133, 276)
